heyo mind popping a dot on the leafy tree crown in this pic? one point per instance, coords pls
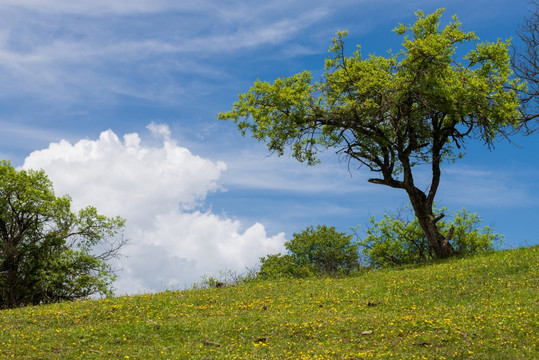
(419, 103)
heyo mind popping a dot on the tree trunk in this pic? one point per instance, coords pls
(10, 273)
(438, 243)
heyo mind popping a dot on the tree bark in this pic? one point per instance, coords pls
(439, 243)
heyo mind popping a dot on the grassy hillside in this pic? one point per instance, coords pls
(479, 308)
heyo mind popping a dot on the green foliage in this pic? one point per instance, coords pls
(46, 250)
(323, 248)
(277, 266)
(397, 240)
(314, 251)
(393, 241)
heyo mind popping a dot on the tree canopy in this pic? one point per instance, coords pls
(392, 113)
(47, 252)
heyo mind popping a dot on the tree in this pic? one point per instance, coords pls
(397, 240)
(525, 63)
(392, 114)
(47, 251)
(314, 251)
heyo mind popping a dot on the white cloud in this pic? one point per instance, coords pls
(158, 190)
(159, 130)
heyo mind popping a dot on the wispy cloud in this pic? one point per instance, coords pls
(92, 51)
(103, 7)
(69, 51)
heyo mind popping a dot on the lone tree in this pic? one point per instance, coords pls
(391, 114)
(525, 63)
(47, 251)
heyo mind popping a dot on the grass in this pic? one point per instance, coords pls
(483, 307)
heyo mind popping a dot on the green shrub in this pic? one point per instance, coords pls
(396, 240)
(313, 252)
(279, 266)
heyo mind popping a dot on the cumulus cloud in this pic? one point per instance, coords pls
(159, 190)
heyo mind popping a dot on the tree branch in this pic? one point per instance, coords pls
(438, 218)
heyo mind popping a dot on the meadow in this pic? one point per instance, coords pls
(482, 307)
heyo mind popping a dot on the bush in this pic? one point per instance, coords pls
(279, 266)
(396, 240)
(313, 252)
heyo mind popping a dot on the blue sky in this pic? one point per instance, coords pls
(198, 197)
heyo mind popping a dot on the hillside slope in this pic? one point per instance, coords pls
(477, 308)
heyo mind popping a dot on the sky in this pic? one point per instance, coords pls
(117, 102)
